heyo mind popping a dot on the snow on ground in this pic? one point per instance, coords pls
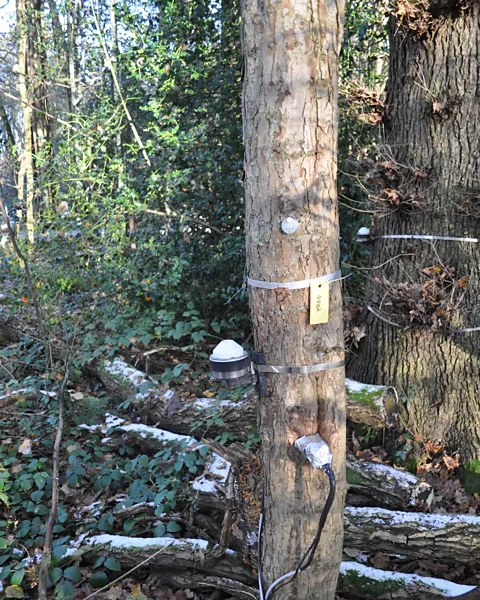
(449, 589)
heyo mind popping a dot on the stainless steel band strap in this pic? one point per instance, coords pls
(293, 285)
(305, 370)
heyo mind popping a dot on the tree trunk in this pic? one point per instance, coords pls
(290, 133)
(427, 183)
(37, 150)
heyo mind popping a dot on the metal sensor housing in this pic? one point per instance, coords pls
(363, 235)
(315, 450)
(229, 361)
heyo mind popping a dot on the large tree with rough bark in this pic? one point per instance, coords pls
(425, 293)
(290, 131)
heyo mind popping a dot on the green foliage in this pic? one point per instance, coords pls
(470, 476)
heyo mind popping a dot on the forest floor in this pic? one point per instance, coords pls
(114, 480)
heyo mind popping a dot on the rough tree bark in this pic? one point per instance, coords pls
(290, 133)
(429, 173)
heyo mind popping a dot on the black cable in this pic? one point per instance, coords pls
(310, 553)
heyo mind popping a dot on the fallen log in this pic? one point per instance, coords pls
(376, 484)
(165, 553)
(369, 483)
(16, 396)
(375, 406)
(447, 537)
(187, 562)
(366, 582)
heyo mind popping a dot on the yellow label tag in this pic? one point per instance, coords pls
(319, 299)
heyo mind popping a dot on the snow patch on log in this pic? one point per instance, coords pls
(214, 477)
(357, 386)
(124, 542)
(119, 368)
(374, 405)
(445, 588)
(403, 478)
(388, 486)
(420, 520)
(144, 431)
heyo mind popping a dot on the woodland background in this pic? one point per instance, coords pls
(121, 172)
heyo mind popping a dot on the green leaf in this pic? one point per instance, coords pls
(58, 552)
(177, 370)
(128, 525)
(65, 591)
(100, 560)
(98, 580)
(173, 527)
(159, 530)
(17, 577)
(37, 495)
(112, 564)
(3, 543)
(56, 574)
(72, 573)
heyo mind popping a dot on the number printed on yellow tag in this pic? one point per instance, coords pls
(319, 298)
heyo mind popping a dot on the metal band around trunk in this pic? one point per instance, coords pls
(414, 236)
(305, 370)
(293, 285)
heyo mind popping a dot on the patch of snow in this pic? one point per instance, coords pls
(119, 367)
(90, 427)
(216, 473)
(1, 586)
(422, 520)
(449, 589)
(357, 386)
(206, 403)
(402, 477)
(23, 391)
(49, 394)
(161, 435)
(121, 541)
(112, 420)
(252, 538)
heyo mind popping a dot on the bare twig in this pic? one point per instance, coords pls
(47, 548)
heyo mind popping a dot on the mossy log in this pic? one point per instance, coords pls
(376, 484)
(447, 537)
(374, 584)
